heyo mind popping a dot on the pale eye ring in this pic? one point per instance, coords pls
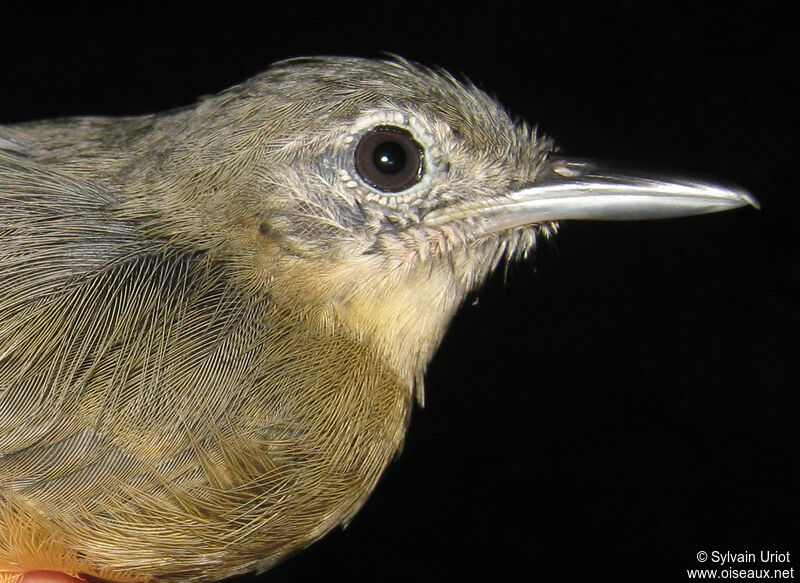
(389, 159)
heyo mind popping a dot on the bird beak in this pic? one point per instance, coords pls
(571, 188)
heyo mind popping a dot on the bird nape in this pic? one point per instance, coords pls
(213, 320)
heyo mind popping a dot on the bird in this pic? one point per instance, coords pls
(214, 321)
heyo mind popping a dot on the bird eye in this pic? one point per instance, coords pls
(389, 159)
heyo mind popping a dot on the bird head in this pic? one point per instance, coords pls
(376, 194)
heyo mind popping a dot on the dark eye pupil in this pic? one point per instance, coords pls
(389, 157)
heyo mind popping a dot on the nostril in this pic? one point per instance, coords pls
(568, 170)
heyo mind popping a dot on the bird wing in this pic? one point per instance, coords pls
(93, 319)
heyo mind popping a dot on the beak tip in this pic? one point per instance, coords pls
(750, 199)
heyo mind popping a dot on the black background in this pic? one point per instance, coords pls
(613, 407)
